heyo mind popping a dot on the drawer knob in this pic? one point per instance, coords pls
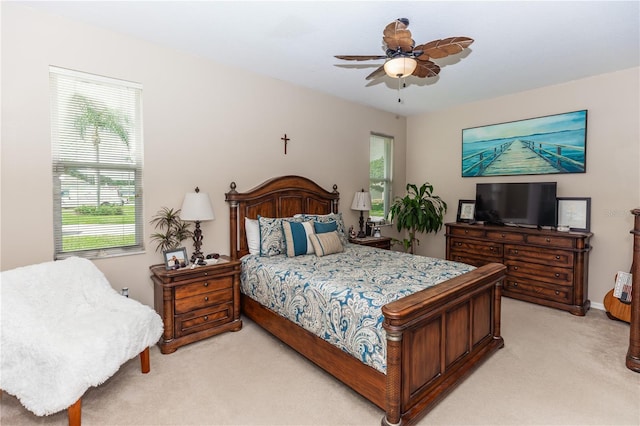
(548, 240)
(206, 273)
(466, 231)
(515, 284)
(458, 244)
(557, 292)
(515, 252)
(490, 248)
(206, 317)
(206, 298)
(504, 235)
(557, 257)
(515, 268)
(206, 283)
(557, 275)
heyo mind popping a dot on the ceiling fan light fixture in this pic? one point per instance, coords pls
(400, 67)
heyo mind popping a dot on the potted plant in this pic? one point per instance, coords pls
(172, 229)
(418, 211)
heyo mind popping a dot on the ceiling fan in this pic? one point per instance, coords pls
(404, 58)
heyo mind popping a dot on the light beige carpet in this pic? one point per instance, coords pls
(555, 369)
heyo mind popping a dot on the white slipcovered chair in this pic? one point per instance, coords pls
(65, 329)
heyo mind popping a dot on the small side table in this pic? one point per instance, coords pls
(378, 242)
(196, 303)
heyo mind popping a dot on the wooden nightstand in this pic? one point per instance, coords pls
(196, 303)
(379, 242)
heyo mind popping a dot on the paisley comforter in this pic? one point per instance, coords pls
(339, 297)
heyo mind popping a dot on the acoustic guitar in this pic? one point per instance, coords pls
(617, 309)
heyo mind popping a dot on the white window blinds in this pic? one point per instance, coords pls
(96, 136)
(380, 175)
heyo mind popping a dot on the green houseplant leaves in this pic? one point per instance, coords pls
(418, 211)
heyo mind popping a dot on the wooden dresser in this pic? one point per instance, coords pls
(196, 303)
(545, 267)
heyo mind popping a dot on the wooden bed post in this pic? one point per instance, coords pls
(233, 221)
(394, 379)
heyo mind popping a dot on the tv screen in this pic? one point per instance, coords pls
(518, 204)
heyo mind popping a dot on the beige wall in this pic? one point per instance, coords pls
(204, 125)
(612, 179)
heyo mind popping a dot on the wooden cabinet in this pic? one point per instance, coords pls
(545, 267)
(379, 242)
(196, 303)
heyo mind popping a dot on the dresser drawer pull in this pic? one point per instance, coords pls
(515, 252)
(490, 248)
(515, 284)
(557, 293)
(548, 240)
(557, 257)
(557, 275)
(458, 244)
(503, 235)
(206, 317)
(466, 231)
(206, 284)
(515, 268)
(206, 298)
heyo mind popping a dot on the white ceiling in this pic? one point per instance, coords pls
(519, 45)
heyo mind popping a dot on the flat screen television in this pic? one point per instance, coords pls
(531, 204)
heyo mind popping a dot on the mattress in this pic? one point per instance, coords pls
(339, 297)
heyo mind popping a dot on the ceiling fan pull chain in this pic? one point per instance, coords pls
(399, 98)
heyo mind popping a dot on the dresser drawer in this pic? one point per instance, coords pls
(553, 241)
(549, 274)
(468, 232)
(203, 319)
(505, 236)
(524, 287)
(478, 248)
(203, 300)
(204, 286)
(544, 256)
(469, 259)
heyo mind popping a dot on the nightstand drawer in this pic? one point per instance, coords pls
(204, 286)
(203, 319)
(203, 300)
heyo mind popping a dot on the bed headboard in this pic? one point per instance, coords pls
(282, 196)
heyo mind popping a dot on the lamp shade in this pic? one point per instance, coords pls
(400, 67)
(196, 207)
(361, 201)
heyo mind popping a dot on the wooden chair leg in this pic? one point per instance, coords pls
(74, 413)
(145, 364)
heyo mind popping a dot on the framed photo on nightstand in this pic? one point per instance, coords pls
(175, 258)
(466, 211)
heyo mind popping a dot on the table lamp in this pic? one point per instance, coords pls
(362, 202)
(197, 208)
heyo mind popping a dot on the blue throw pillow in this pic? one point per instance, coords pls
(296, 237)
(322, 227)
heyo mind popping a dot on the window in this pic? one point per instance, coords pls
(96, 137)
(380, 175)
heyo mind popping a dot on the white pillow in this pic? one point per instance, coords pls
(252, 229)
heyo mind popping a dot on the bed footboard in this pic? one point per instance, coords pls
(436, 337)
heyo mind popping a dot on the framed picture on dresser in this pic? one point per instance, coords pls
(466, 211)
(574, 213)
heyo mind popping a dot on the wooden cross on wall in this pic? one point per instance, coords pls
(286, 140)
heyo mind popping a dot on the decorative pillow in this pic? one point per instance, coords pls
(252, 230)
(271, 236)
(296, 237)
(321, 227)
(327, 243)
(331, 217)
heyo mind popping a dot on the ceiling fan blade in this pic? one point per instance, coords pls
(426, 69)
(442, 48)
(360, 57)
(377, 73)
(397, 36)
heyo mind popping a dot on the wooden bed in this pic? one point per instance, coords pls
(435, 337)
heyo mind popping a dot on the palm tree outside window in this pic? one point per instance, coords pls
(96, 130)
